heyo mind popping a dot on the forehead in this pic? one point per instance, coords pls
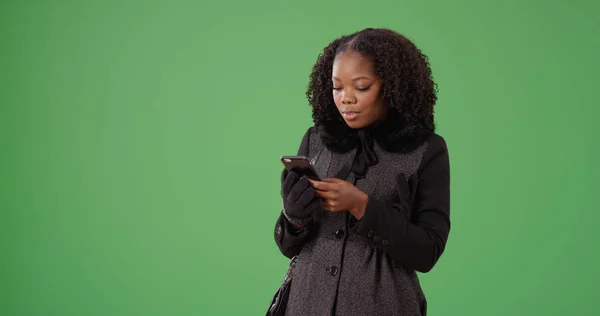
(350, 63)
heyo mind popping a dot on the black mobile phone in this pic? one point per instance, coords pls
(302, 165)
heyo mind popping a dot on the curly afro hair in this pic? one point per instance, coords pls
(408, 89)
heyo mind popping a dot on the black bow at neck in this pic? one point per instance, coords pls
(365, 154)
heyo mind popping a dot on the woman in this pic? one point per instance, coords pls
(382, 213)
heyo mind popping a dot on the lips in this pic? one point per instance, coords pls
(350, 115)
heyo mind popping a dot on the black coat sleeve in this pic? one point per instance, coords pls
(416, 240)
(290, 240)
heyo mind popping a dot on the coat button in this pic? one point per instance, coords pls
(332, 270)
(384, 242)
(370, 234)
(339, 233)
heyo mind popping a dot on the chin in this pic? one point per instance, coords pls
(354, 124)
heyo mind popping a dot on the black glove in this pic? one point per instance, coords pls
(299, 199)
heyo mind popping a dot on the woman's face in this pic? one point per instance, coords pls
(357, 90)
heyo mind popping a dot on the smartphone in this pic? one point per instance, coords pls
(302, 165)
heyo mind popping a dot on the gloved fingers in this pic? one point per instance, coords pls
(284, 174)
(297, 189)
(305, 197)
(289, 181)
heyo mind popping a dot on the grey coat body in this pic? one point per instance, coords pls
(350, 268)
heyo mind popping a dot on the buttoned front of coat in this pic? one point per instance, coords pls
(368, 267)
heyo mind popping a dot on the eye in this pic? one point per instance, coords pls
(337, 89)
(363, 89)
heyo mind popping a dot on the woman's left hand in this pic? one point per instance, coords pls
(339, 195)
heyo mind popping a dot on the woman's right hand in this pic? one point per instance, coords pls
(299, 199)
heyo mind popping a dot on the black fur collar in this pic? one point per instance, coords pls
(392, 134)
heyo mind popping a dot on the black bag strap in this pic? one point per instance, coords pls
(288, 275)
(279, 301)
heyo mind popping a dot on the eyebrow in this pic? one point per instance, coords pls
(354, 79)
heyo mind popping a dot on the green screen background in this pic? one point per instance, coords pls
(140, 141)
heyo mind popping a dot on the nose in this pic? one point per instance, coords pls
(348, 98)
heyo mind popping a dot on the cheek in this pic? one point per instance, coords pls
(337, 99)
(370, 99)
